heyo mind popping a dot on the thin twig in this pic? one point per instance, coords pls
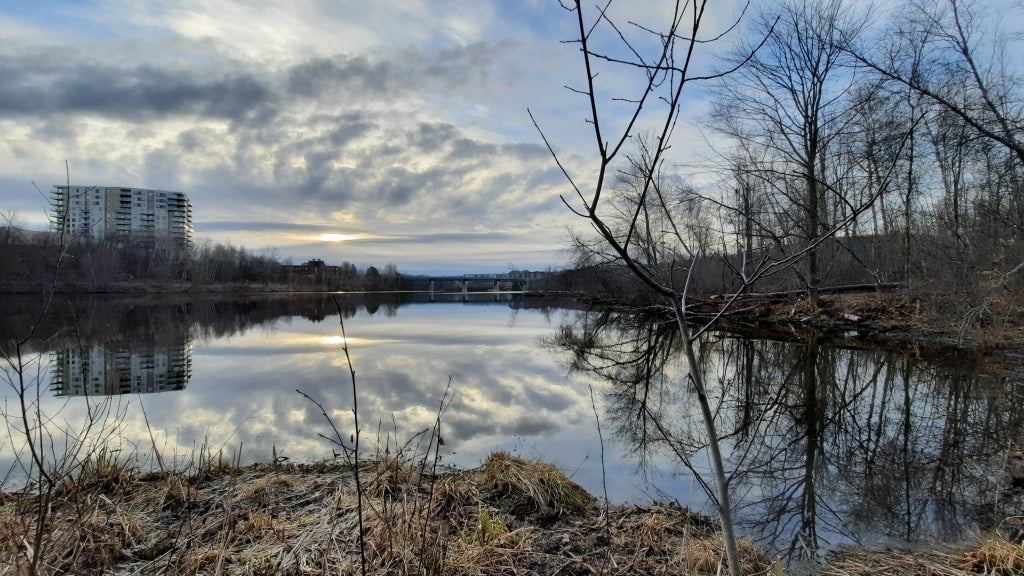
(355, 451)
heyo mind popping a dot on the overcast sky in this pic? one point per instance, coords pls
(372, 132)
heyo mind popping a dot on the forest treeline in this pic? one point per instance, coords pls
(857, 143)
(29, 259)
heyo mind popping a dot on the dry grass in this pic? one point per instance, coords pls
(510, 516)
(991, 557)
(531, 487)
(996, 557)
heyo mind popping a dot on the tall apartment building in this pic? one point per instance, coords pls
(133, 214)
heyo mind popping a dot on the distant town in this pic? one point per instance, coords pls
(110, 238)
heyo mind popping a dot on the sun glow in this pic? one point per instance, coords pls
(339, 340)
(336, 237)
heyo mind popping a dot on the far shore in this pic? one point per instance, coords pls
(988, 322)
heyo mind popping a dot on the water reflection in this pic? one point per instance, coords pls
(827, 444)
(249, 355)
(130, 369)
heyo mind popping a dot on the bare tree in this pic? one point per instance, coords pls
(952, 32)
(789, 99)
(662, 73)
(953, 56)
(649, 234)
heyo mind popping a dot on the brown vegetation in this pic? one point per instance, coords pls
(997, 557)
(987, 321)
(510, 516)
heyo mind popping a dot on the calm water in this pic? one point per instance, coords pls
(827, 444)
(223, 375)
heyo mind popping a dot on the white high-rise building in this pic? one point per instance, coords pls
(133, 214)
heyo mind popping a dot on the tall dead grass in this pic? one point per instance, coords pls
(510, 516)
(994, 556)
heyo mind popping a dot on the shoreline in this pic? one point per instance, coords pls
(508, 516)
(914, 321)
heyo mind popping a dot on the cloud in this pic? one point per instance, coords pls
(48, 81)
(465, 237)
(229, 226)
(48, 84)
(402, 139)
(334, 76)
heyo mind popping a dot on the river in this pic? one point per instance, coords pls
(827, 443)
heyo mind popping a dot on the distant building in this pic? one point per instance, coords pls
(132, 214)
(315, 271)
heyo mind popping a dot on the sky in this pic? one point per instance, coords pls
(368, 132)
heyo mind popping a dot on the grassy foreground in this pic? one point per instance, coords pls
(510, 516)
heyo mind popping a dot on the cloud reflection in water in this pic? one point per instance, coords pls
(249, 358)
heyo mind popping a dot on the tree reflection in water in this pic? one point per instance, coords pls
(826, 444)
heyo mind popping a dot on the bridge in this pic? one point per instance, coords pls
(493, 281)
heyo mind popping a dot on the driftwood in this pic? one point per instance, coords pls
(826, 290)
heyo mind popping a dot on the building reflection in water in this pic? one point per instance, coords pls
(138, 369)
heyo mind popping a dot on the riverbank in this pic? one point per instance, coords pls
(981, 320)
(991, 321)
(509, 516)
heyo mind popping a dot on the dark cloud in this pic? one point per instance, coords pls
(318, 170)
(468, 149)
(445, 237)
(400, 185)
(530, 425)
(551, 398)
(60, 81)
(191, 141)
(228, 226)
(348, 127)
(468, 426)
(330, 76)
(42, 86)
(431, 137)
